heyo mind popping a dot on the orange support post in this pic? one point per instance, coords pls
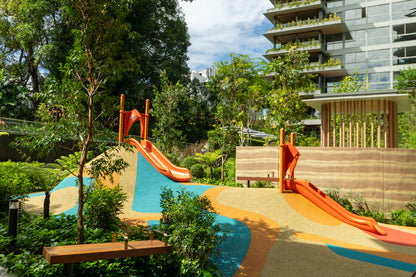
(282, 160)
(121, 124)
(146, 122)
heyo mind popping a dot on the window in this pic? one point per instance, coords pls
(378, 36)
(404, 32)
(355, 38)
(404, 55)
(378, 13)
(355, 16)
(404, 9)
(380, 80)
(355, 60)
(334, 42)
(378, 58)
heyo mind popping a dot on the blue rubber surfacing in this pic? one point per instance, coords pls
(149, 184)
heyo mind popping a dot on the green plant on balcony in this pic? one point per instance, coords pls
(299, 23)
(297, 44)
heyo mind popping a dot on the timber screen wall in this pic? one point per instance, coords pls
(386, 177)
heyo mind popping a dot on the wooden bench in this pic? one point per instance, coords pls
(248, 179)
(69, 254)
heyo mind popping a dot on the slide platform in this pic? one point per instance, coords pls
(323, 201)
(160, 162)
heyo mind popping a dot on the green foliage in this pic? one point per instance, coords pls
(167, 113)
(103, 207)
(286, 109)
(240, 92)
(197, 171)
(189, 161)
(189, 221)
(209, 159)
(407, 121)
(403, 217)
(356, 204)
(352, 84)
(19, 179)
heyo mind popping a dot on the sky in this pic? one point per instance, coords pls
(220, 27)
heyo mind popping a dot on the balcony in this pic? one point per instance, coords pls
(290, 31)
(332, 68)
(311, 46)
(282, 10)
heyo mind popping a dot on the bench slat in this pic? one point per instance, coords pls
(102, 251)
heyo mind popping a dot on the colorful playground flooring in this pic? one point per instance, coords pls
(273, 234)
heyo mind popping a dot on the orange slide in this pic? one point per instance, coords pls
(160, 162)
(323, 201)
(289, 156)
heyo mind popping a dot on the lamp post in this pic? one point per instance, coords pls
(12, 228)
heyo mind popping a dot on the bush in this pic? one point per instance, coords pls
(103, 206)
(189, 221)
(229, 170)
(19, 179)
(197, 171)
(189, 161)
(403, 217)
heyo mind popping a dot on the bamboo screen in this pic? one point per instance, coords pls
(359, 123)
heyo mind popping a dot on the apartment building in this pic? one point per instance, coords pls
(374, 37)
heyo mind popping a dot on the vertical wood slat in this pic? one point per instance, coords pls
(334, 125)
(372, 123)
(385, 129)
(378, 125)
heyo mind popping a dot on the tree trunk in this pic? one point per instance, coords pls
(46, 204)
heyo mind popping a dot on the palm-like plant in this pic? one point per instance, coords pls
(209, 159)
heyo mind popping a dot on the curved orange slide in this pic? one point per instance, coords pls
(160, 162)
(323, 201)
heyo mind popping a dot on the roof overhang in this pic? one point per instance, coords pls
(402, 100)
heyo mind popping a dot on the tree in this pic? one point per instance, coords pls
(168, 115)
(285, 106)
(406, 83)
(28, 33)
(351, 84)
(160, 43)
(237, 84)
(96, 59)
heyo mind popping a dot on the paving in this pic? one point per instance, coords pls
(273, 234)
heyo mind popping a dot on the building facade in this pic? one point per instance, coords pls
(374, 37)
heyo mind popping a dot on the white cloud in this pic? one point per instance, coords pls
(220, 27)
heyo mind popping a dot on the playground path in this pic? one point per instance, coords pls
(289, 236)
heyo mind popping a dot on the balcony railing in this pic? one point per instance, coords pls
(281, 5)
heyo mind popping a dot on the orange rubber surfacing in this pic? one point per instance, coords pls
(309, 210)
(264, 233)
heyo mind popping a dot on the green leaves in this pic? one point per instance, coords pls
(193, 232)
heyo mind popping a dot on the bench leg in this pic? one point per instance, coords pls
(248, 183)
(146, 269)
(68, 270)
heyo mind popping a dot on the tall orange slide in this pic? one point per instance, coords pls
(145, 147)
(160, 162)
(289, 156)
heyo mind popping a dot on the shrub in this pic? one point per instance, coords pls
(197, 171)
(189, 161)
(403, 217)
(103, 206)
(19, 179)
(189, 221)
(229, 170)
